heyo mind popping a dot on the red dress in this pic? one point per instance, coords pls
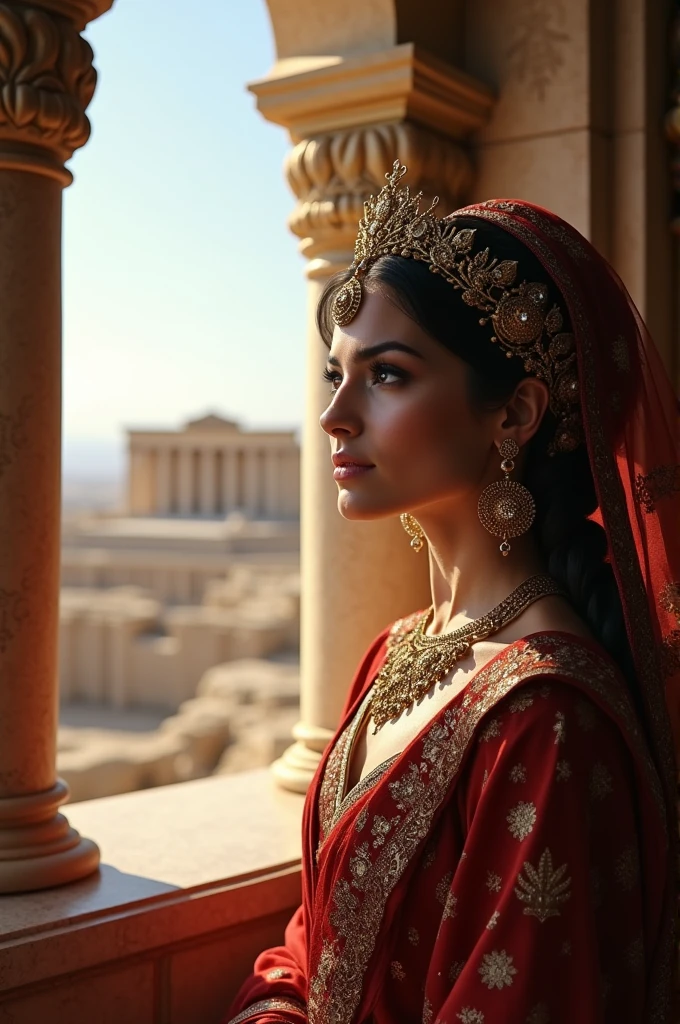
(508, 865)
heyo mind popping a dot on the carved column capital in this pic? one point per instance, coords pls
(334, 173)
(46, 83)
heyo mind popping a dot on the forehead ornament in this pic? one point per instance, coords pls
(524, 323)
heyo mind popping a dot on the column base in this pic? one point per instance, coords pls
(38, 847)
(295, 769)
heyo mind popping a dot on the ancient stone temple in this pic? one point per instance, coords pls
(211, 467)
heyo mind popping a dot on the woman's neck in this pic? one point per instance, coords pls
(468, 574)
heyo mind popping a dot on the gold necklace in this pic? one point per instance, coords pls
(416, 662)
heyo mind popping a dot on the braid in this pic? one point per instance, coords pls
(573, 546)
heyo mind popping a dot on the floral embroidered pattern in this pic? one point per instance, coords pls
(277, 973)
(601, 783)
(493, 920)
(562, 771)
(661, 482)
(543, 889)
(627, 869)
(268, 1006)
(521, 820)
(446, 897)
(492, 730)
(413, 936)
(518, 773)
(521, 702)
(397, 971)
(497, 970)
(560, 727)
(469, 1016)
(493, 882)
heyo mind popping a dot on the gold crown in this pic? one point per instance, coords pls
(523, 325)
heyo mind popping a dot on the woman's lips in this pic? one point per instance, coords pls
(350, 470)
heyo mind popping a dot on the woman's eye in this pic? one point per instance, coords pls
(380, 374)
(382, 370)
(332, 378)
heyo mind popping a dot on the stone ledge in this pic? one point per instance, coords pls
(184, 865)
(391, 85)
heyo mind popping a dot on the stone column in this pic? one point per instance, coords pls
(208, 481)
(185, 482)
(272, 483)
(48, 81)
(163, 502)
(138, 481)
(252, 482)
(350, 122)
(229, 479)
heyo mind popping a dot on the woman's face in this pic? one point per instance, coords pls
(404, 410)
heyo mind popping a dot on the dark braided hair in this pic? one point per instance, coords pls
(573, 546)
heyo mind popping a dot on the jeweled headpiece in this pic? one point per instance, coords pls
(524, 324)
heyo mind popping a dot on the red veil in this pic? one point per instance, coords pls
(630, 419)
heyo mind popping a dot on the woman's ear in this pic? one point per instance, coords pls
(525, 410)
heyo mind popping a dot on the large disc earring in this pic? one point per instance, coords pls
(506, 508)
(413, 529)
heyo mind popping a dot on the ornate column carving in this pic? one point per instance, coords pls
(333, 174)
(46, 83)
(349, 121)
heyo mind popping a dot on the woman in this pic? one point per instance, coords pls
(491, 834)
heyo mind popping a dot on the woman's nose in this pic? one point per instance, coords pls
(338, 419)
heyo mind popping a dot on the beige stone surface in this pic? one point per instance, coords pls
(551, 170)
(121, 646)
(240, 718)
(536, 57)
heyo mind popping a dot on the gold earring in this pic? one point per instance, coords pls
(413, 529)
(506, 508)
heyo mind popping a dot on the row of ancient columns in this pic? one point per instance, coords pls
(186, 481)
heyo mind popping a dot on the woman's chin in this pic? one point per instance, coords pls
(352, 507)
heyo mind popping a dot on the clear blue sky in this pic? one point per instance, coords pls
(183, 288)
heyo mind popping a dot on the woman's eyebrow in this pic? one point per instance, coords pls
(367, 353)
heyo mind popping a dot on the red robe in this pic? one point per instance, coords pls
(510, 865)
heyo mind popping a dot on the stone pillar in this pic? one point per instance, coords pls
(185, 482)
(138, 481)
(351, 121)
(252, 482)
(208, 481)
(48, 81)
(229, 487)
(163, 504)
(272, 483)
